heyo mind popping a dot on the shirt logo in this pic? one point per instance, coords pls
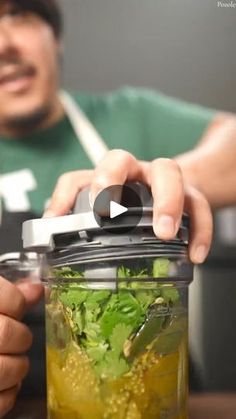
(14, 188)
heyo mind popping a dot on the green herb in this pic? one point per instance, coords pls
(97, 352)
(120, 334)
(121, 308)
(74, 297)
(112, 366)
(145, 298)
(161, 268)
(124, 272)
(106, 323)
(170, 293)
(66, 272)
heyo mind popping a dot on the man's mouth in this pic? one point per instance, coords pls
(16, 79)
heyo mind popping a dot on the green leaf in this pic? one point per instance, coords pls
(170, 293)
(97, 297)
(146, 298)
(120, 333)
(92, 310)
(112, 366)
(66, 272)
(73, 297)
(78, 321)
(97, 353)
(121, 308)
(161, 268)
(123, 272)
(126, 273)
(92, 331)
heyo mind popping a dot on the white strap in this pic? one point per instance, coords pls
(92, 143)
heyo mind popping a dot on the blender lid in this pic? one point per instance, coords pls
(82, 227)
(15, 257)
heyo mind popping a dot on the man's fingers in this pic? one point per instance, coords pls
(12, 301)
(170, 198)
(15, 299)
(168, 194)
(201, 228)
(32, 292)
(116, 168)
(13, 370)
(66, 191)
(166, 181)
(7, 400)
(15, 337)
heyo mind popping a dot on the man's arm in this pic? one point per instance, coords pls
(211, 166)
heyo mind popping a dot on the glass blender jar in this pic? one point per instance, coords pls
(116, 314)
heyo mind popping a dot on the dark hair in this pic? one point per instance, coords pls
(48, 10)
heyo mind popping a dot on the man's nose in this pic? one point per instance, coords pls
(7, 44)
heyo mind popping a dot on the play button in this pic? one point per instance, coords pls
(116, 209)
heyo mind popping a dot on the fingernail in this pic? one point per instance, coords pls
(199, 255)
(165, 226)
(49, 214)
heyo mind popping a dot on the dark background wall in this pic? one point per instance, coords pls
(185, 48)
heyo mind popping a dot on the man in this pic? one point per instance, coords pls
(38, 144)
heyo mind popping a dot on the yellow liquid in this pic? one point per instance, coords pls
(154, 388)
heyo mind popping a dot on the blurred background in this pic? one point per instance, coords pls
(185, 48)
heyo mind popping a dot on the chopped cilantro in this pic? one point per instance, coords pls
(161, 268)
(102, 322)
(97, 353)
(66, 272)
(112, 366)
(120, 333)
(124, 308)
(145, 298)
(73, 297)
(170, 293)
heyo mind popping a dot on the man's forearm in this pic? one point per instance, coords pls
(211, 166)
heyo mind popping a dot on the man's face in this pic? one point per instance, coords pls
(28, 65)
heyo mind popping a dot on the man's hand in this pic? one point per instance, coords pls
(15, 338)
(172, 195)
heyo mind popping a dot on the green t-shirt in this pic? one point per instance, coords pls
(144, 122)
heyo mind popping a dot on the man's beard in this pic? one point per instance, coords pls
(28, 123)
